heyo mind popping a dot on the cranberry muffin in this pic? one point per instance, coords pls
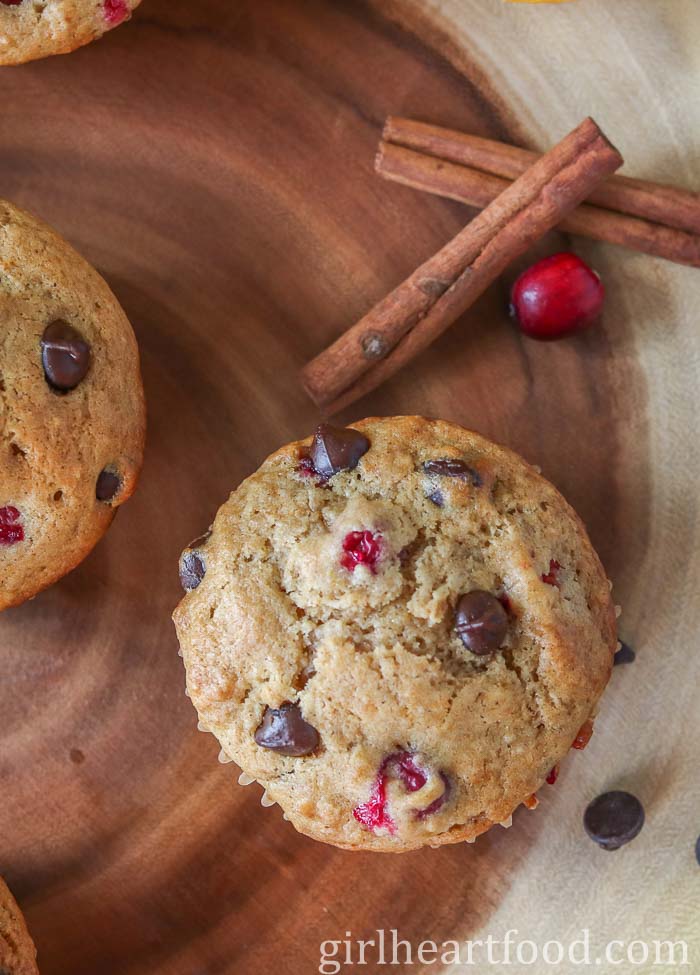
(398, 629)
(17, 951)
(31, 29)
(72, 416)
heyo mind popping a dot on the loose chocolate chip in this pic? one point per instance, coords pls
(450, 467)
(625, 655)
(613, 819)
(284, 730)
(336, 449)
(108, 484)
(193, 566)
(65, 356)
(481, 621)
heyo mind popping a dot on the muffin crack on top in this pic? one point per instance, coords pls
(398, 629)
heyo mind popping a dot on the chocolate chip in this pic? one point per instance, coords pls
(451, 467)
(108, 484)
(481, 621)
(697, 850)
(437, 497)
(193, 566)
(65, 356)
(336, 449)
(284, 730)
(625, 655)
(613, 819)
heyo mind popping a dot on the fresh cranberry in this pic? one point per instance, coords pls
(11, 531)
(374, 813)
(553, 775)
(115, 11)
(584, 735)
(361, 548)
(403, 764)
(552, 577)
(438, 803)
(557, 296)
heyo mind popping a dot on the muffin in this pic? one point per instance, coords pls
(72, 416)
(31, 29)
(399, 629)
(17, 951)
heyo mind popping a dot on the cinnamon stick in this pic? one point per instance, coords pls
(440, 290)
(478, 189)
(657, 202)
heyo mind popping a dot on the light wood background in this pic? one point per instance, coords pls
(214, 160)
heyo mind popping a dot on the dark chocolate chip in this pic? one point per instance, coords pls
(451, 467)
(437, 497)
(108, 484)
(625, 655)
(336, 449)
(481, 621)
(697, 850)
(284, 730)
(65, 356)
(193, 566)
(192, 570)
(613, 819)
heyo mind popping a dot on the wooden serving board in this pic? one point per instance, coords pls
(214, 161)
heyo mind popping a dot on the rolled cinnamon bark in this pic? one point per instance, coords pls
(658, 202)
(422, 307)
(478, 189)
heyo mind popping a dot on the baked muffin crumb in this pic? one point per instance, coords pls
(399, 631)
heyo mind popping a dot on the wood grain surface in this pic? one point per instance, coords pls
(214, 161)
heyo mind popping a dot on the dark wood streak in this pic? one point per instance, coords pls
(224, 185)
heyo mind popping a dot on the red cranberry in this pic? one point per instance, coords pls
(374, 813)
(436, 803)
(553, 775)
(552, 577)
(584, 735)
(115, 11)
(11, 531)
(557, 296)
(404, 766)
(361, 548)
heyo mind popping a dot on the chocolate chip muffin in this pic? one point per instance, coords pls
(72, 416)
(17, 951)
(398, 629)
(31, 29)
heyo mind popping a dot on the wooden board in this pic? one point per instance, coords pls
(214, 160)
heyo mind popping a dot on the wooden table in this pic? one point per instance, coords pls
(214, 160)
